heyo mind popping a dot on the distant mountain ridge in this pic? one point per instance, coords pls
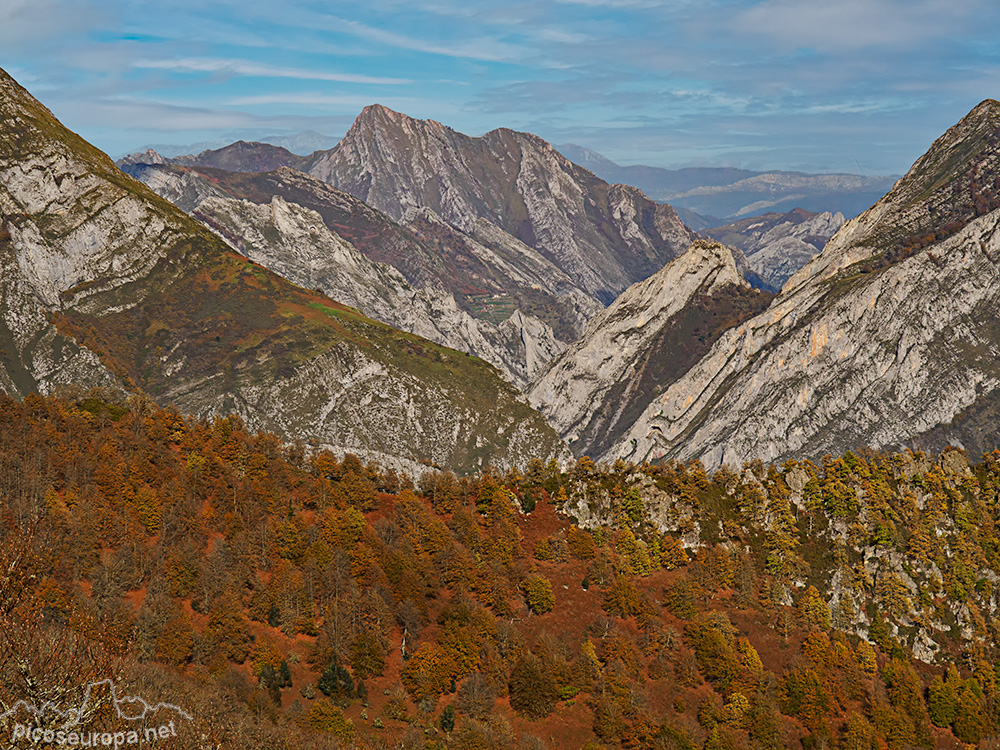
(734, 193)
(301, 144)
(605, 237)
(240, 156)
(778, 245)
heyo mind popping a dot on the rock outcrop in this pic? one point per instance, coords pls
(888, 336)
(645, 340)
(605, 237)
(104, 282)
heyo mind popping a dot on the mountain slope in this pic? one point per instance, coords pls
(306, 243)
(845, 605)
(106, 282)
(294, 242)
(778, 245)
(880, 339)
(368, 230)
(646, 339)
(605, 237)
(489, 275)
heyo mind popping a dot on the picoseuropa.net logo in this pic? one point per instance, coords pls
(49, 725)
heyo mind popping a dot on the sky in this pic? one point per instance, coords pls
(861, 86)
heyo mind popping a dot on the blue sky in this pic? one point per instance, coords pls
(817, 85)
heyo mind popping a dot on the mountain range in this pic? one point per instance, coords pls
(762, 555)
(886, 338)
(321, 237)
(106, 283)
(302, 143)
(604, 236)
(632, 336)
(704, 193)
(777, 245)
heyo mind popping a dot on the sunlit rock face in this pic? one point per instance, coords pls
(887, 337)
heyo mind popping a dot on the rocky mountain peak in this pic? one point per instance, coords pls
(645, 340)
(887, 337)
(149, 156)
(605, 237)
(706, 257)
(378, 120)
(104, 282)
(954, 182)
(375, 112)
(966, 148)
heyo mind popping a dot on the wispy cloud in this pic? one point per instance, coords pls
(798, 83)
(857, 24)
(305, 99)
(479, 48)
(246, 68)
(24, 23)
(616, 3)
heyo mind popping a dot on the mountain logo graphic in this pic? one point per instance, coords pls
(128, 707)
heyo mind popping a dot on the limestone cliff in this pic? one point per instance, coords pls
(309, 246)
(107, 283)
(294, 242)
(645, 340)
(888, 335)
(605, 237)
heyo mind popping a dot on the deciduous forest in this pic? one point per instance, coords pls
(288, 598)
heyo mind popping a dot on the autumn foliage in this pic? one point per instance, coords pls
(298, 599)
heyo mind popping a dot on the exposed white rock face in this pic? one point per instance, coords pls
(868, 356)
(427, 250)
(185, 190)
(357, 403)
(505, 257)
(149, 156)
(297, 243)
(294, 242)
(69, 229)
(604, 237)
(784, 248)
(537, 343)
(103, 282)
(576, 388)
(871, 361)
